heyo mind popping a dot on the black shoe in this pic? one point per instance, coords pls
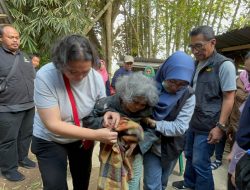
(13, 176)
(27, 163)
(179, 185)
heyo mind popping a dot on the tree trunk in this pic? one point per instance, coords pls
(221, 17)
(216, 12)
(235, 14)
(149, 39)
(108, 25)
(100, 14)
(155, 44)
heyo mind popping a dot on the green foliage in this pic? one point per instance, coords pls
(153, 28)
(41, 22)
(174, 22)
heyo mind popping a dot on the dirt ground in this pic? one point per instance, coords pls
(33, 178)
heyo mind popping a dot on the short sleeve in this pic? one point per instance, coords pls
(44, 95)
(227, 75)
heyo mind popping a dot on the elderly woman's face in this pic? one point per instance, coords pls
(77, 70)
(138, 104)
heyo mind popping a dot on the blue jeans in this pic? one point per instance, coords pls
(155, 175)
(198, 173)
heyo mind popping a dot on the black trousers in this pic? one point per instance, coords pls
(15, 137)
(52, 161)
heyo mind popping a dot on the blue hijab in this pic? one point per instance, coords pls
(179, 66)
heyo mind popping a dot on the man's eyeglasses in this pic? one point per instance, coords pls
(198, 46)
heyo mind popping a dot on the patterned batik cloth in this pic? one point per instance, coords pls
(116, 160)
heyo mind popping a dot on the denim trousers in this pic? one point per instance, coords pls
(198, 173)
(219, 148)
(155, 174)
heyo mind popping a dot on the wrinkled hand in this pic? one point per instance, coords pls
(111, 119)
(215, 135)
(107, 136)
(149, 122)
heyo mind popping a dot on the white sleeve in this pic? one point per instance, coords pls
(44, 95)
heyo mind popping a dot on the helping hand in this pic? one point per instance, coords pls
(149, 122)
(107, 136)
(111, 119)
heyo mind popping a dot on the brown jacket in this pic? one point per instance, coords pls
(240, 96)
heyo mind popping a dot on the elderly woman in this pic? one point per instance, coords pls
(170, 119)
(135, 96)
(66, 90)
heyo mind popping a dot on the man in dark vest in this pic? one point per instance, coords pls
(16, 105)
(214, 83)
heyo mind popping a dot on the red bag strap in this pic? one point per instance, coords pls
(87, 144)
(72, 101)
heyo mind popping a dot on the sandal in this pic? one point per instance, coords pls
(216, 164)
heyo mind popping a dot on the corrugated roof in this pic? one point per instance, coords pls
(232, 38)
(5, 17)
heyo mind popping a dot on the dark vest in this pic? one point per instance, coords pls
(21, 85)
(209, 95)
(171, 147)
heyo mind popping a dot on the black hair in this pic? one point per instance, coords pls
(34, 55)
(206, 31)
(73, 48)
(247, 56)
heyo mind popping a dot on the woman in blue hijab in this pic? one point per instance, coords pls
(170, 119)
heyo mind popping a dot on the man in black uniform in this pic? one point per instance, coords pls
(16, 105)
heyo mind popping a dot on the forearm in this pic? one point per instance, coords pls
(171, 128)
(71, 131)
(179, 126)
(227, 105)
(53, 122)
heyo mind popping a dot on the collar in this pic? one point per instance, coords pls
(8, 51)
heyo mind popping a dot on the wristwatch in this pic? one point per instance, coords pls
(221, 126)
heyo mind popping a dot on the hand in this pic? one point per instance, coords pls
(150, 122)
(215, 135)
(111, 119)
(233, 179)
(106, 136)
(231, 133)
(229, 156)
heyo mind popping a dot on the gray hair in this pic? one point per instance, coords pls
(207, 32)
(137, 85)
